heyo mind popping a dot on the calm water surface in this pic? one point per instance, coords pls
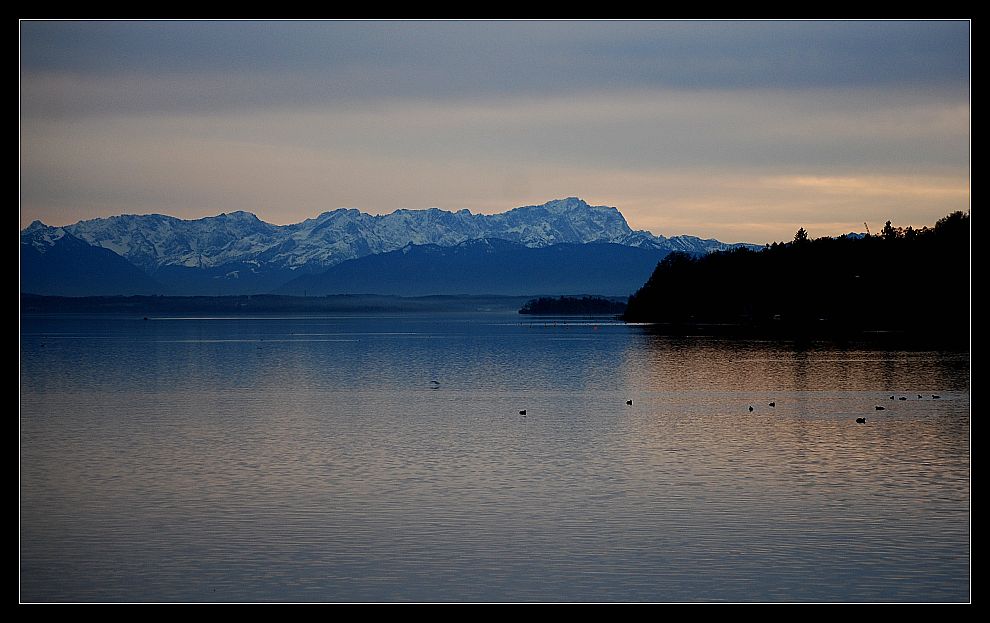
(314, 459)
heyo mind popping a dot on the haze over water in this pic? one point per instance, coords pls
(314, 459)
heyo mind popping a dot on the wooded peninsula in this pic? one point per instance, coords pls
(911, 284)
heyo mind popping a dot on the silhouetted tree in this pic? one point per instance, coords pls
(889, 233)
(801, 236)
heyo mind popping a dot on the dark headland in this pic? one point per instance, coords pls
(899, 285)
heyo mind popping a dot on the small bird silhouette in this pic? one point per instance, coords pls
(879, 408)
(523, 412)
(629, 402)
(861, 420)
(773, 404)
(935, 397)
(750, 407)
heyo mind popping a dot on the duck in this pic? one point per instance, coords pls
(861, 420)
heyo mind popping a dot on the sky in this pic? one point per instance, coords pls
(737, 130)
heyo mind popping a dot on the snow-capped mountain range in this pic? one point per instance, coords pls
(239, 247)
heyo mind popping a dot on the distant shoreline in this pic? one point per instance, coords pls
(574, 306)
(268, 303)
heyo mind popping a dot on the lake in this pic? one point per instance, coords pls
(384, 458)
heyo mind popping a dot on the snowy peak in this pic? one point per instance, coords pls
(156, 240)
(560, 221)
(42, 237)
(34, 226)
(239, 215)
(570, 203)
(565, 206)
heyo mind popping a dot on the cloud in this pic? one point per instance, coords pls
(105, 67)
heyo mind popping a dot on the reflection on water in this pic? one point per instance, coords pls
(314, 459)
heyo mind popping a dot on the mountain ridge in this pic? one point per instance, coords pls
(152, 241)
(238, 253)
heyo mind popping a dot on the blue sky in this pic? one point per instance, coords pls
(740, 130)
